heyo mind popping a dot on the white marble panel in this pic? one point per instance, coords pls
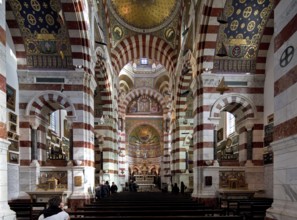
(283, 13)
(268, 180)
(13, 181)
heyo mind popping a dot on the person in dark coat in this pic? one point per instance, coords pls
(182, 187)
(175, 189)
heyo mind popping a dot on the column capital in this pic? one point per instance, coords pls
(70, 120)
(34, 121)
(249, 127)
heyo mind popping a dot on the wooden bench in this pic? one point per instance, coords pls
(162, 212)
(26, 210)
(162, 217)
(131, 207)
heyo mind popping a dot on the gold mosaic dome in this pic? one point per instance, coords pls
(140, 15)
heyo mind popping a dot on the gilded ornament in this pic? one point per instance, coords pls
(234, 25)
(49, 19)
(260, 2)
(251, 25)
(169, 34)
(242, 1)
(238, 11)
(31, 19)
(247, 12)
(229, 11)
(35, 5)
(117, 32)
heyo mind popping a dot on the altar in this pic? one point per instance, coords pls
(44, 196)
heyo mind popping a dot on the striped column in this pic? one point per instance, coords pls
(285, 131)
(5, 212)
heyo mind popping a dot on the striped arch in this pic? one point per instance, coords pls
(138, 92)
(264, 45)
(207, 33)
(143, 45)
(49, 101)
(79, 37)
(238, 105)
(103, 84)
(185, 81)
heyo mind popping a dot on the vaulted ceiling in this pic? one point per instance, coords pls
(55, 35)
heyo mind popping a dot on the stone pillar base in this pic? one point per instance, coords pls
(7, 215)
(73, 204)
(276, 213)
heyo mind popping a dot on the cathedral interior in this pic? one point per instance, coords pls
(156, 91)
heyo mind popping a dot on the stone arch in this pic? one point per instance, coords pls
(138, 92)
(185, 81)
(239, 104)
(153, 48)
(52, 100)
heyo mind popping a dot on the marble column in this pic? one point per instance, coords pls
(70, 120)
(34, 144)
(249, 144)
(5, 212)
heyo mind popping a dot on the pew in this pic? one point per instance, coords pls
(162, 217)
(27, 210)
(161, 212)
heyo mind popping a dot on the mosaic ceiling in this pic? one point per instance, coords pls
(139, 15)
(45, 36)
(246, 20)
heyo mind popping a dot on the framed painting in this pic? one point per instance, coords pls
(10, 135)
(220, 135)
(10, 97)
(12, 127)
(14, 145)
(12, 117)
(13, 157)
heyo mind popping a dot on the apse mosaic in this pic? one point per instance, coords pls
(144, 142)
(45, 35)
(144, 105)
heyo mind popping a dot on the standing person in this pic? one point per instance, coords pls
(54, 211)
(175, 189)
(113, 188)
(182, 187)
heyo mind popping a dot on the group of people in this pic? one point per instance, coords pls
(175, 189)
(105, 190)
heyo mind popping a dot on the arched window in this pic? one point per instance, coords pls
(230, 124)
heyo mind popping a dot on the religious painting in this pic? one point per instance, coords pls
(78, 181)
(10, 97)
(13, 157)
(12, 127)
(10, 135)
(14, 145)
(220, 134)
(144, 105)
(12, 117)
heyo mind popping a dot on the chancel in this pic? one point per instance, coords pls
(156, 93)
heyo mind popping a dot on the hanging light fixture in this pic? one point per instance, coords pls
(222, 51)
